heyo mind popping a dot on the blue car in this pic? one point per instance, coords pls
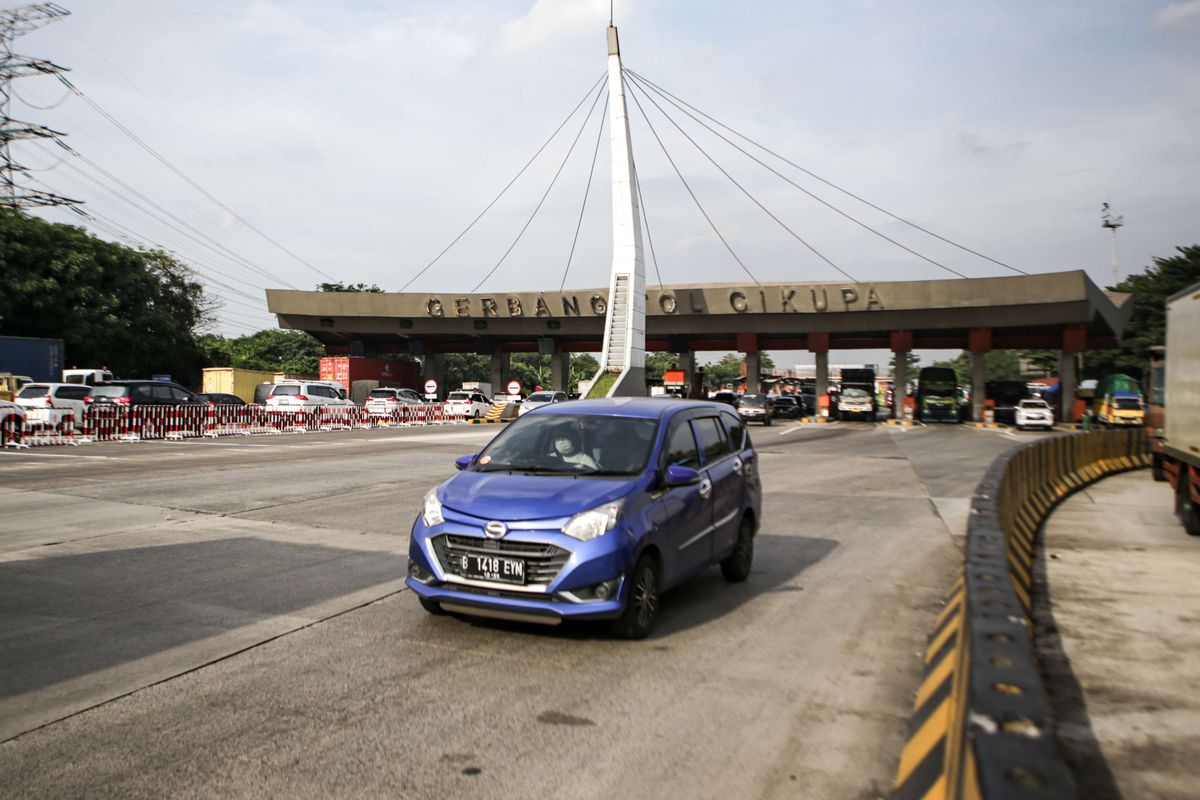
(590, 510)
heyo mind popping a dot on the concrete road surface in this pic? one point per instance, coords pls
(227, 618)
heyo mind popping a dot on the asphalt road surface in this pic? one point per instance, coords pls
(227, 618)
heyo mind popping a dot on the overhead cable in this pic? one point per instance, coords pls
(186, 178)
(695, 199)
(677, 102)
(495, 199)
(637, 184)
(743, 189)
(545, 194)
(586, 191)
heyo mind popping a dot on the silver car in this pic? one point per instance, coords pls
(539, 399)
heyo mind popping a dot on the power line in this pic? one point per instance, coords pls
(743, 189)
(546, 194)
(676, 101)
(586, 191)
(637, 183)
(695, 199)
(520, 172)
(186, 178)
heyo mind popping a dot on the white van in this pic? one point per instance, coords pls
(87, 377)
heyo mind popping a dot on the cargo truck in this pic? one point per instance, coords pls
(361, 375)
(1119, 402)
(1005, 395)
(937, 395)
(231, 380)
(851, 404)
(1181, 406)
(39, 359)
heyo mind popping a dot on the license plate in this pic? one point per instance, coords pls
(492, 568)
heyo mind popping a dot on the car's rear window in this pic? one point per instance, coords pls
(458, 396)
(755, 400)
(110, 391)
(33, 390)
(382, 394)
(282, 390)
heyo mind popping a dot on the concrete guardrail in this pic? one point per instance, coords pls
(981, 720)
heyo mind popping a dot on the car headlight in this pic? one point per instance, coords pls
(432, 513)
(587, 525)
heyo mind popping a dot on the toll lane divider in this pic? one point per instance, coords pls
(175, 423)
(981, 722)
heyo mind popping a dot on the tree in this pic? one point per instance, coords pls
(1148, 324)
(294, 352)
(911, 359)
(463, 367)
(347, 287)
(657, 364)
(583, 366)
(998, 365)
(1045, 361)
(134, 311)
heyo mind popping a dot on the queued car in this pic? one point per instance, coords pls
(220, 399)
(730, 398)
(1033, 413)
(468, 404)
(118, 395)
(385, 401)
(590, 511)
(58, 396)
(539, 399)
(294, 397)
(755, 408)
(786, 407)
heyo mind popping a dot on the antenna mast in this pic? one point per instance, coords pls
(13, 23)
(1112, 222)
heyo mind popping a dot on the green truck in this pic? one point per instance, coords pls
(937, 395)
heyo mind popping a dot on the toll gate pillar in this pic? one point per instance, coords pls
(687, 363)
(1074, 340)
(818, 345)
(901, 346)
(560, 371)
(979, 343)
(501, 363)
(748, 344)
(435, 368)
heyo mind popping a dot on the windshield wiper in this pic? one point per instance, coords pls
(603, 472)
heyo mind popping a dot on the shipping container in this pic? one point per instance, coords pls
(40, 359)
(346, 370)
(1181, 407)
(230, 380)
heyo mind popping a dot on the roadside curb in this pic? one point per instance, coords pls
(981, 722)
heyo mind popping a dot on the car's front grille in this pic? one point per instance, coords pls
(543, 562)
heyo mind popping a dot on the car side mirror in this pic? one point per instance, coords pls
(680, 476)
(462, 462)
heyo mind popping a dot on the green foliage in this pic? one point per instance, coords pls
(729, 369)
(583, 367)
(998, 365)
(1148, 325)
(294, 352)
(657, 364)
(603, 384)
(133, 311)
(911, 359)
(1043, 360)
(463, 367)
(347, 287)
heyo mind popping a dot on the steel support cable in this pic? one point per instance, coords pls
(208, 241)
(678, 103)
(586, 191)
(186, 178)
(167, 228)
(554, 180)
(695, 199)
(637, 183)
(508, 185)
(215, 156)
(743, 189)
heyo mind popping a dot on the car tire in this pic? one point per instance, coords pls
(1189, 514)
(432, 606)
(736, 567)
(642, 603)
(1156, 467)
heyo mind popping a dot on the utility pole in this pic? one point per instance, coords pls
(1112, 222)
(13, 23)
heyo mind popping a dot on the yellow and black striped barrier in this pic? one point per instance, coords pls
(981, 722)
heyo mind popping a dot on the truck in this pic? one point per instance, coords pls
(1004, 396)
(235, 381)
(41, 360)
(483, 387)
(851, 404)
(1181, 406)
(937, 395)
(361, 375)
(86, 377)
(1119, 402)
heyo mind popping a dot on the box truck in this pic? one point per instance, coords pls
(40, 359)
(1181, 406)
(231, 380)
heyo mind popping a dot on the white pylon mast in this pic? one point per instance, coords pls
(625, 323)
(1112, 222)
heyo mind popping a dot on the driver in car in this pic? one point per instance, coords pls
(568, 447)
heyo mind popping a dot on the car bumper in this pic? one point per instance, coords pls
(563, 597)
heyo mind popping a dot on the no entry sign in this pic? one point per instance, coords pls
(514, 388)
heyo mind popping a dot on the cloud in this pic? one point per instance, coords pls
(977, 144)
(1179, 17)
(548, 20)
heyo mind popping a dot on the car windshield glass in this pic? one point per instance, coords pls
(570, 444)
(1128, 402)
(755, 400)
(540, 397)
(282, 390)
(1038, 404)
(33, 391)
(784, 401)
(110, 391)
(859, 393)
(382, 394)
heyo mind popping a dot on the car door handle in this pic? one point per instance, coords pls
(737, 465)
(705, 487)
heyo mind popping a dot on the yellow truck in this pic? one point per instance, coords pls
(11, 384)
(231, 380)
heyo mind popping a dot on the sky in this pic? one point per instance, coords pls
(362, 137)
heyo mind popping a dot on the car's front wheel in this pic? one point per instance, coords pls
(736, 567)
(641, 606)
(432, 606)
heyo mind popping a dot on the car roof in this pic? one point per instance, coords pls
(644, 407)
(53, 385)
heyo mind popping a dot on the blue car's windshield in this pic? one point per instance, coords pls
(570, 444)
